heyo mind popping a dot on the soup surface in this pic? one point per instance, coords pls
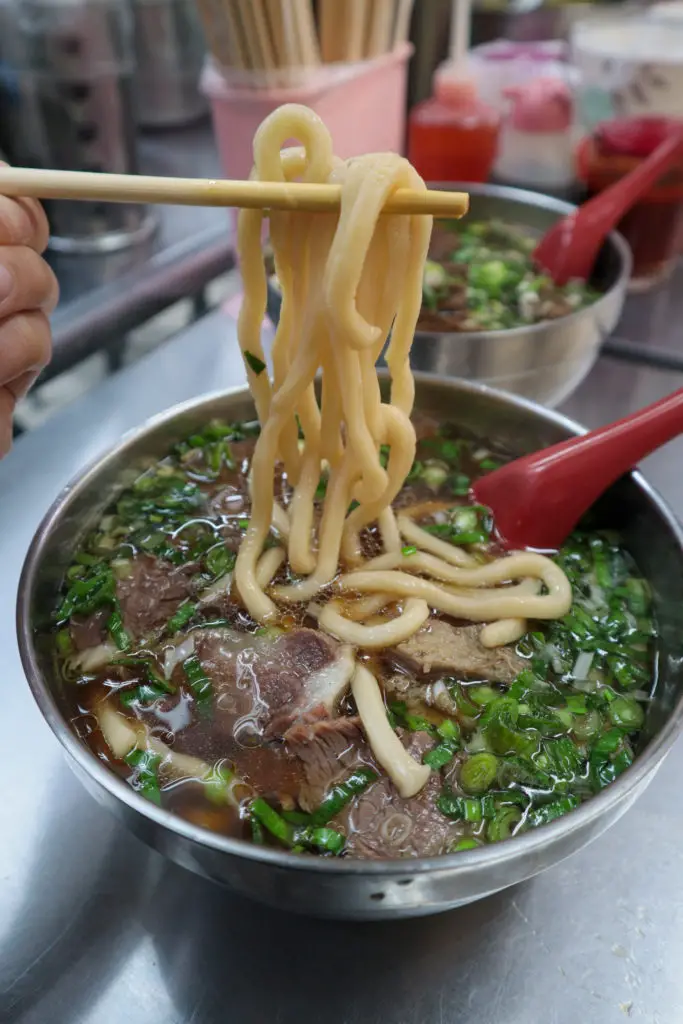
(480, 276)
(252, 732)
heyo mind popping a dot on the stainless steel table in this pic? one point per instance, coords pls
(97, 929)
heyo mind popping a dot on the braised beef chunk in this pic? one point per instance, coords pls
(328, 749)
(274, 681)
(440, 647)
(151, 594)
(380, 823)
(90, 631)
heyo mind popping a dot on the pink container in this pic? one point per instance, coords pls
(363, 105)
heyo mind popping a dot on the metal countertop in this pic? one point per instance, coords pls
(97, 929)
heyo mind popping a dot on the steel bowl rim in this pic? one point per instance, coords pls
(513, 850)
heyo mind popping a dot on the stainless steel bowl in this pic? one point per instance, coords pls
(543, 362)
(348, 888)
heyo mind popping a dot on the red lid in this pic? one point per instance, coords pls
(633, 136)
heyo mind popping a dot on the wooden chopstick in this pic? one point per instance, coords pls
(264, 195)
(402, 24)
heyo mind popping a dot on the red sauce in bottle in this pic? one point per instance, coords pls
(453, 136)
(654, 226)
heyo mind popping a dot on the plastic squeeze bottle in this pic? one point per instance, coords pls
(453, 135)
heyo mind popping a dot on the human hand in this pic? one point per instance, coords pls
(28, 293)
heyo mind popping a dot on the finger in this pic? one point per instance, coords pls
(25, 347)
(20, 385)
(23, 222)
(7, 403)
(26, 281)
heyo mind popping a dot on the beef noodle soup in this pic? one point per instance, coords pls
(301, 631)
(250, 730)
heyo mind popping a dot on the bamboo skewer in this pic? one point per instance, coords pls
(258, 16)
(248, 16)
(237, 42)
(260, 37)
(355, 29)
(305, 26)
(277, 32)
(332, 29)
(138, 188)
(379, 28)
(402, 26)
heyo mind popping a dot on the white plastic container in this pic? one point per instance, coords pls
(629, 66)
(538, 137)
(534, 88)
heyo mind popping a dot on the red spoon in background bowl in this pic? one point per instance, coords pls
(569, 249)
(537, 500)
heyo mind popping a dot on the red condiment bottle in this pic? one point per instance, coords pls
(453, 135)
(654, 226)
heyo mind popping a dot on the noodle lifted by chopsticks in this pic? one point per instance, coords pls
(347, 282)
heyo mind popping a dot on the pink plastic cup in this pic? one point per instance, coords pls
(362, 104)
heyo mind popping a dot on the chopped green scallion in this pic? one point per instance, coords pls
(254, 363)
(478, 773)
(200, 684)
(503, 824)
(340, 795)
(466, 843)
(181, 617)
(118, 632)
(145, 779)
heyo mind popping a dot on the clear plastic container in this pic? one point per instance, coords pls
(533, 87)
(631, 65)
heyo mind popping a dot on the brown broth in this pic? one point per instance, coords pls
(208, 510)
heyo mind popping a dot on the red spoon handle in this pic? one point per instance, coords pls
(568, 250)
(538, 500)
(608, 207)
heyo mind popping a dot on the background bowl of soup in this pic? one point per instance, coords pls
(543, 359)
(346, 887)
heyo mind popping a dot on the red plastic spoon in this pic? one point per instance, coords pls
(568, 250)
(537, 500)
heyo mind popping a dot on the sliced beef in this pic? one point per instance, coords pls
(267, 689)
(328, 748)
(440, 647)
(380, 823)
(272, 683)
(90, 631)
(311, 671)
(151, 594)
